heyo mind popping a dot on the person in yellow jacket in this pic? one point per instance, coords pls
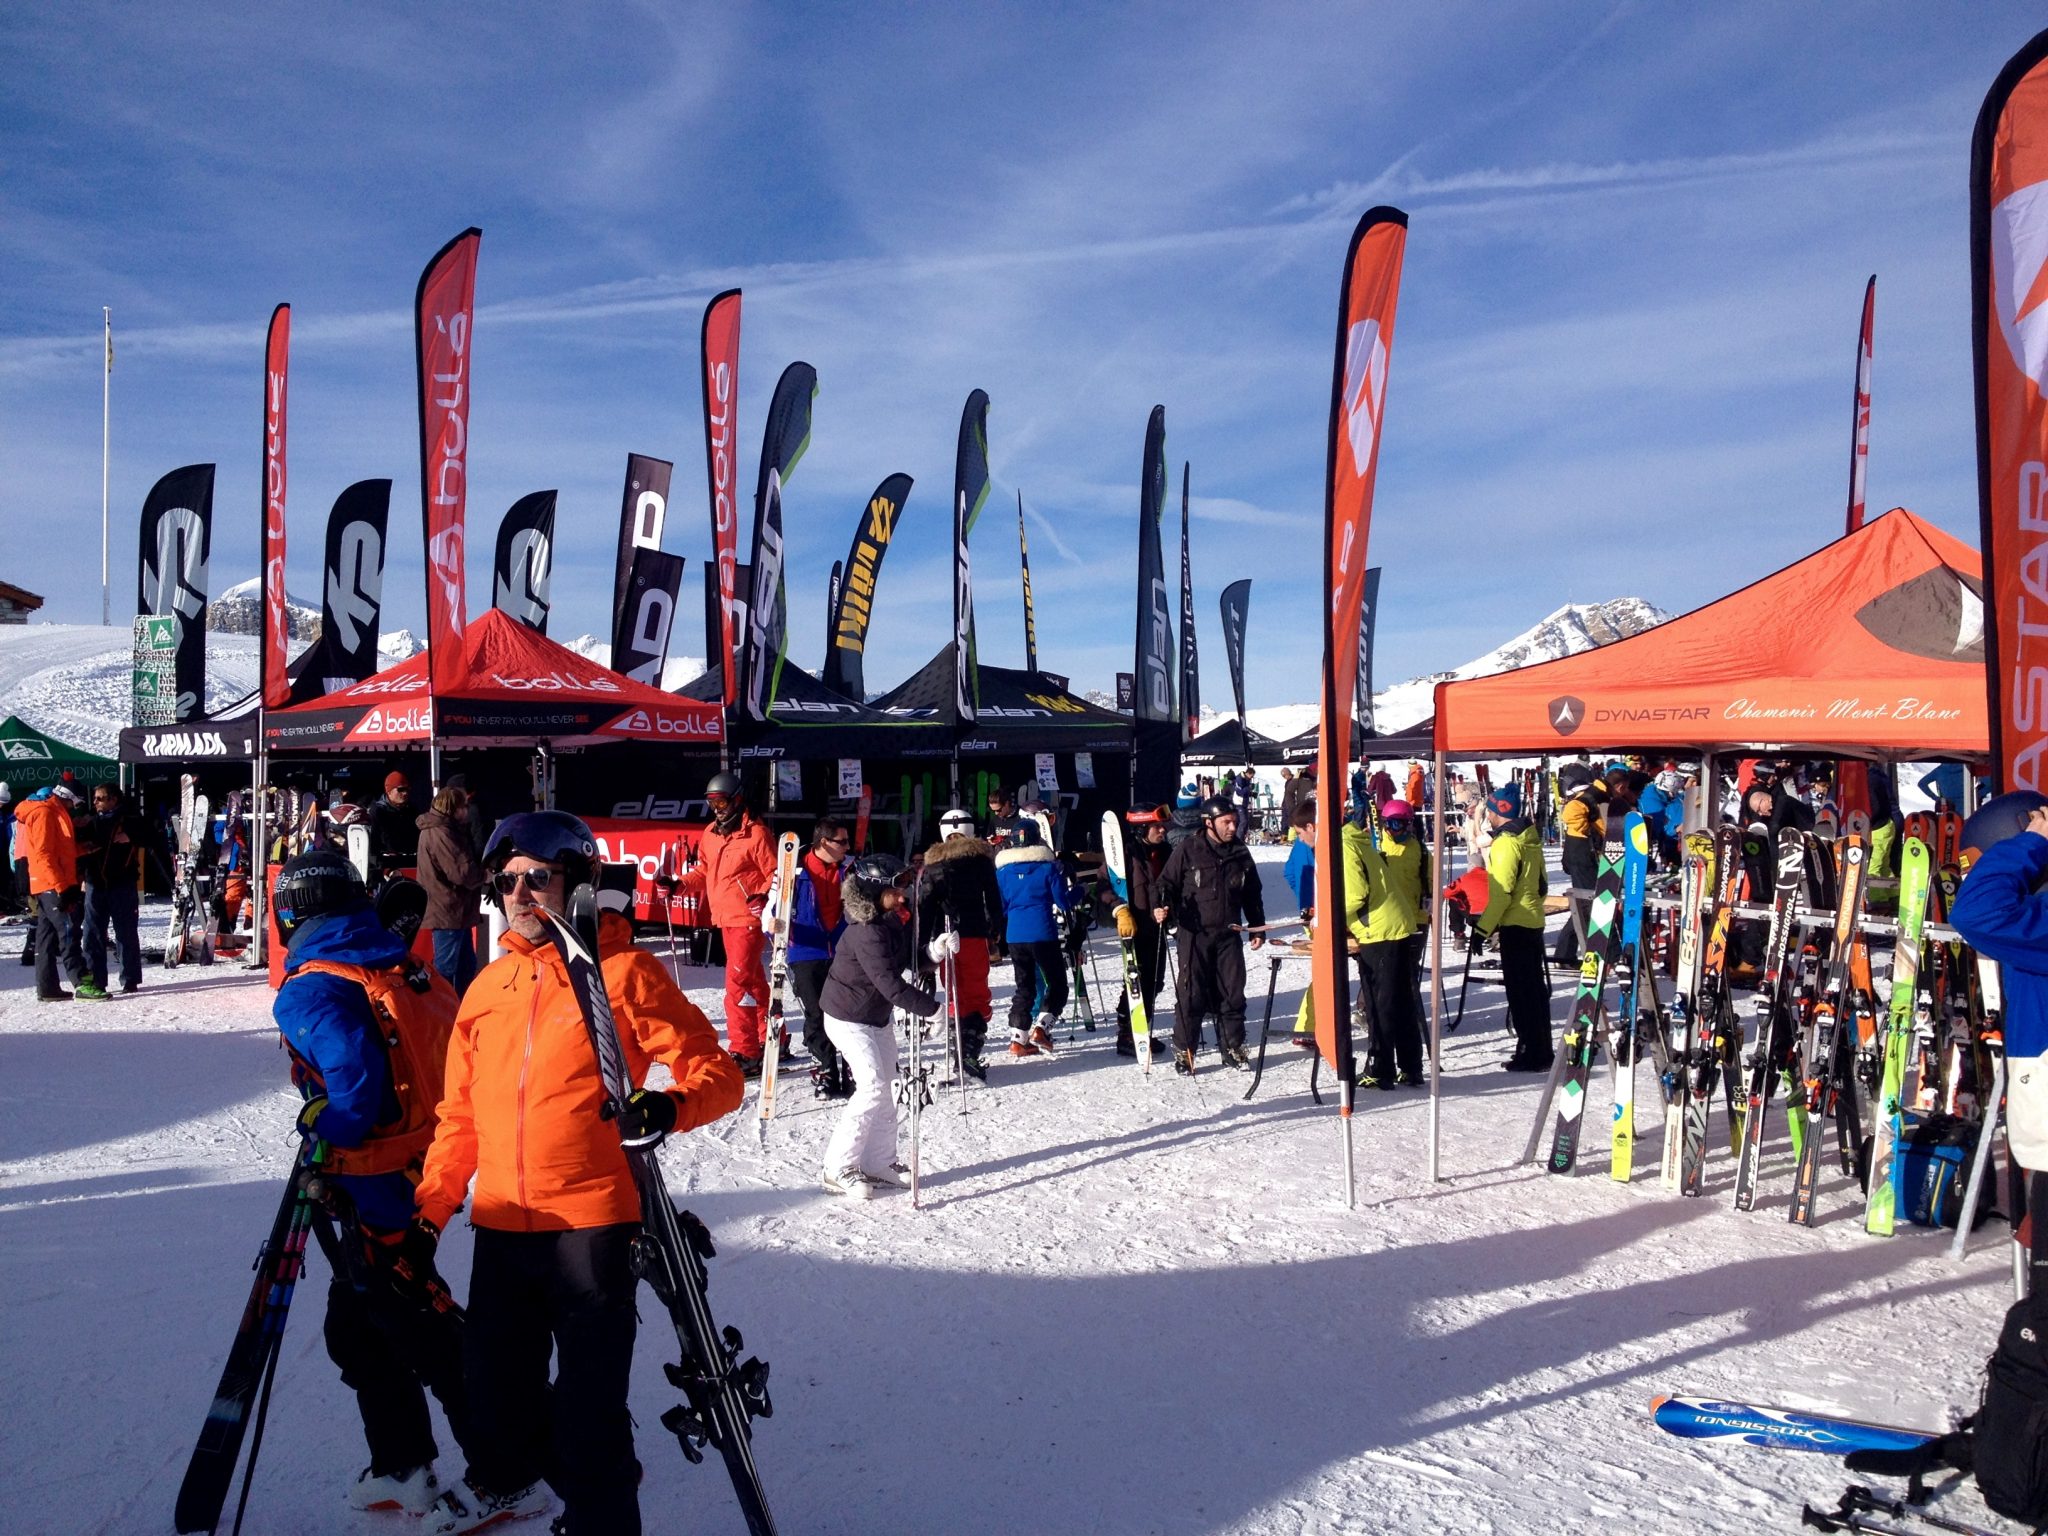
(1385, 907)
(1514, 916)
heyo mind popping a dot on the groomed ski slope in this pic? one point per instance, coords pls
(1130, 1305)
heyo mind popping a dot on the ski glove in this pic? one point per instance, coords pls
(649, 1115)
(1126, 923)
(311, 1111)
(944, 947)
(1475, 941)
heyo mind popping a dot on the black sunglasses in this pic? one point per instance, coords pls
(506, 881)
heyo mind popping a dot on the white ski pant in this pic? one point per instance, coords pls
(864, 1140)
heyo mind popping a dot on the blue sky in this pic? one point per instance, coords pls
(1638, 241)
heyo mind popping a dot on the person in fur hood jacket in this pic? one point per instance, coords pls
(957, 885)
(1034, 894)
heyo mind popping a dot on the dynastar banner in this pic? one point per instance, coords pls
(1859, 435)
(523, 573)
(643, 509)
(443, 312)
(1190, 666)
(788, 435)
(1237, 603)
(855, 609)
(642, 646)
(2009, 260)
(1365, 337)
(352, 592)
(970, 491)
(175, 544)
(1030, 614)
(719, 348)
(1367, 607)
(274, 686)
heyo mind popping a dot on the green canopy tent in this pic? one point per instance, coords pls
(29, 760)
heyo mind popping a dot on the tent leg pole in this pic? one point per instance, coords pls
(1436, 977)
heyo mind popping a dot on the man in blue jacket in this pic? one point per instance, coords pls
(815, 923)
(1034, 892)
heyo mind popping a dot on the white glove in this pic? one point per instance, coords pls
(944, 947)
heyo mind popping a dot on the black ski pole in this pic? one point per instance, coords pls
(1463, 987)
(1266, 1028)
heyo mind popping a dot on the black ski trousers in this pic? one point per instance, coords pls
(1210, 980)
(1040, 960)
(573, 1292)
(1521, 969)
(807, 980)
(55, 940)
(393, 1349)
(1386, 974)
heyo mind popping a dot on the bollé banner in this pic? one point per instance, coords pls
(854, 608)
(352, 593)
(1190, 665)
(2009, 264)
(174, 546)
(522, 575)
(274, 685)
(643, 511)
(970, 492)
(444, 311)
(1237, 604)
(719, 350)
(1365, 338)
(782, 445)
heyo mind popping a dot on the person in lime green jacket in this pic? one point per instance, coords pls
(1386, 906)
(1514, 915)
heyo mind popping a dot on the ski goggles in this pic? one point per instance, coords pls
(1400, 826)
(506, 881)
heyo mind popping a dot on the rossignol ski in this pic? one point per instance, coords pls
(775, 1037)
(722, 1393)
(1880, 1213)
(1772, 1025)
(1825, 1057)
(1602, 920)
(1789, 1429)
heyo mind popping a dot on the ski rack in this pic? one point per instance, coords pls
(1869, 927)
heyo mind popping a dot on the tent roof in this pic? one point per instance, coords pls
(809, 721)
(1228, 743)
(1019, 711)
(31, 758)
(1872, 645)
(1418, 741)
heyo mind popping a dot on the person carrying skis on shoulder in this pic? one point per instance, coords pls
(1581, 815)
(1514, 915)
(555, 1208)
(46, 837)
(1210, 887)
(866, 982)
(734, 871)
(1146, 859)
(957, 881)
(1034, 892)
(1387, 905)
(367, 1028)
(815, 923)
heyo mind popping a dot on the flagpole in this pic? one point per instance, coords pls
(106, 400)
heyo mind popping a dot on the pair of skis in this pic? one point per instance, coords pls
(782, 903)
(193, 923)
(1603, 922)
(1116, 857)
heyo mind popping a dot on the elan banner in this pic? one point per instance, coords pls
(782, 445)
(970, 492)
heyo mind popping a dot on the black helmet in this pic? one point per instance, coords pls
(402, 906)
(1574, 776)
(314, 885)
(1027, 834)
(555, 837)
(1997, 819)
(874, 873)
(727, 784)
(1217, 805)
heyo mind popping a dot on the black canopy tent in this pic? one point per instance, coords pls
(1230, 745)
(1018, 712)
(810, 722)
(1417, 742)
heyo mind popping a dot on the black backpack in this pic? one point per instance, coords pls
(2009, 1434)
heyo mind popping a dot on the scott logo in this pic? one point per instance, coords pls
(2019, 250)
(1365, 387)
(1567, 714)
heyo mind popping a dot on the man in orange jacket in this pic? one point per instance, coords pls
(555, 1208)
(45, 836)
(736, 867)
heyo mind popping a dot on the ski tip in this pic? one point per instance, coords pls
(1659, 1401)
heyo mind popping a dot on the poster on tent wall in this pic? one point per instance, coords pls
(522, 575)
(444, 311)
(1859, 432)
(1084, 770)
(1155, 763)
(1046, 773)
(1365, 338)
(789, 781)
(351, 593)
(1236, 605)
(173, 547)
(854, 610)
(849, 778)
(782, 445)
(657, 586)
(272, 681)
(970, 492)
(719, 350)
(2009, 262)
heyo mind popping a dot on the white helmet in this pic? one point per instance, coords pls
(956, 823)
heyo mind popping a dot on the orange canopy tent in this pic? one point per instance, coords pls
(1872, 646)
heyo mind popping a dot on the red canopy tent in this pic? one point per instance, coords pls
(514, 687)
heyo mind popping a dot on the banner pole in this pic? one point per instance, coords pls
(1436, 977)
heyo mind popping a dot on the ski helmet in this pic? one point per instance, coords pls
(1027, 834)
(1217, 805)
(874, 873)
(554, 837)
(312, 885)
(401, 906)
(1148, 816)
(1573, 777)
(1997, 819)
(958, 822)
(727, 784)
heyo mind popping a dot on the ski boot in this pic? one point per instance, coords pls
(414, 1491)
(1041, 1034)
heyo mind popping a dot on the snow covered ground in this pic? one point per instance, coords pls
(1131, 1305)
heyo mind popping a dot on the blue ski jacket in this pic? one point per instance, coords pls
(809, 938)
(327, 1020)
(1301, 873)
(2003, 914)
(1033, 887)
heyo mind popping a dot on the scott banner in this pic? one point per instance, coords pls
(444, 311)
(1365, 338)
(1190, 665)
(642, 646)
(1859, 432)
(1030, 614)
(643, 510)
(719, 351)
(970, 491)
(173, 548)
(351, 594)
(523, 573)
(854, 609)
(1155, 764)
(1367, 607)
(1237, 603)
(2009, 262)
(782, 445)
(271, 681)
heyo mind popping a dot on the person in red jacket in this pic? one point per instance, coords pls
(555, 1208)
(735, 870)
(46, 837)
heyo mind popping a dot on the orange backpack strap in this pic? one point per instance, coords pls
(414, 1008)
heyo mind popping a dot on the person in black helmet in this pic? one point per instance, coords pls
(367, 1027)
(734, 873)
(1209, 888)
(555, 1208)
(863, 987)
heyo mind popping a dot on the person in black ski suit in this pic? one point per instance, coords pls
(111, 848)
(1208, 888)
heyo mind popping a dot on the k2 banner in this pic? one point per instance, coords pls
(650, 613)
(522, 576)
(352, 593)
(643, 510)
(175, 544)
